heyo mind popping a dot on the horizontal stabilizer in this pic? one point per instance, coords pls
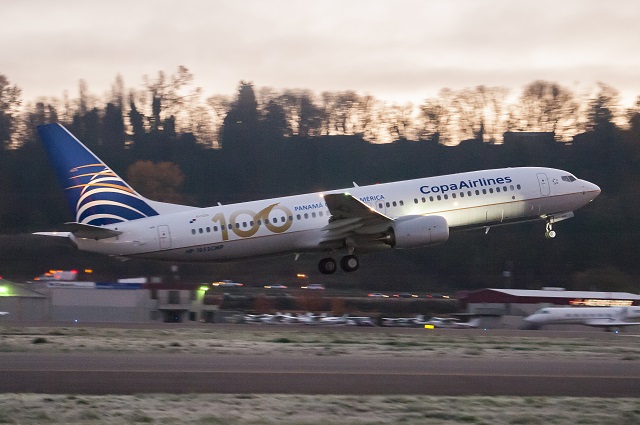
(87, 231)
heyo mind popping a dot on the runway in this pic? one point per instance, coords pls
(131, 373)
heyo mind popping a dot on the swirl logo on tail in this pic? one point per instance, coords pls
(95, 194)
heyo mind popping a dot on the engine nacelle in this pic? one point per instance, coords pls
(417, 231)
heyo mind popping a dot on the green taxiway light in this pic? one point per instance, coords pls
(204, 288)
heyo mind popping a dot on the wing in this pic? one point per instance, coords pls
(351, 217)
(605, 323)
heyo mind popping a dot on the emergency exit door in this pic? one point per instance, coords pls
(164, 236)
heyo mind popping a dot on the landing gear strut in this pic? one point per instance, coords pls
(549, 233)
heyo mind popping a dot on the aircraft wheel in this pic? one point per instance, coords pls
(350, 263)
(327, 265)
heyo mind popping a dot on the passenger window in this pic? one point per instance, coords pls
(415, 200)
(401, 203)
(306, 216)
(320, 213)
(484, 191)
(511, 187)
(200, 230)
(498, 189)
(439, 198)
(208, 229)
(462, 194)
(477, 192)
(469, 193)
(215, 228)
(446, 196)
(395, 204)
(388, 205)
(519, 187)
(193, 231)
(313, 214)
(423, 200)
(431, 198)
(453, 195)
(490, 190)
(298, 217)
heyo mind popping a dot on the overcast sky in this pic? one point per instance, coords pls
(401, 50)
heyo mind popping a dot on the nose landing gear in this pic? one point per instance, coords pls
(549, 233)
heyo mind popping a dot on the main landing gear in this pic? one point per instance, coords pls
(348, 263)
(549, 233)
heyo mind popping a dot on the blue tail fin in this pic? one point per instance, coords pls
(95, 194)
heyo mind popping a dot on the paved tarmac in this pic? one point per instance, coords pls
(131, 373)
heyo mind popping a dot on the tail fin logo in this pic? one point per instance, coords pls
(103, 198)
(95, 194)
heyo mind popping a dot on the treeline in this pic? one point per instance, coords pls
(262, 143)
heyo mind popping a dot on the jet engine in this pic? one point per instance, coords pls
(417, 231)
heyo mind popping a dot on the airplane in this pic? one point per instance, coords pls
(404, 321)
(452, 323)
(609, 318)
(111, 218)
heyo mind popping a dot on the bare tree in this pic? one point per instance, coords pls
(546, 107)
(9, 104)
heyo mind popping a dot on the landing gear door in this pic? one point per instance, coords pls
(164, 236)
(543, 181)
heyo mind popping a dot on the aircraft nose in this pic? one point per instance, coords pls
(588, 187)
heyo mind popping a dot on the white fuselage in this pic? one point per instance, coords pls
(294, 224)
(590, 316)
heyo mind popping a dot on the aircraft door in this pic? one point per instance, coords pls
(164, 236)
(543, 181)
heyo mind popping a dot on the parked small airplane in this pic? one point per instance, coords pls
(452, 323)
(404, 321)
(111, 218)
(610, 318)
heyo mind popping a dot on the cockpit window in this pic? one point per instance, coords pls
(569, 178)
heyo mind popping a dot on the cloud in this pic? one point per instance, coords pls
(403, 48)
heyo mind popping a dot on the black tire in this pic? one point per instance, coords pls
(327, 266)
(350, 263)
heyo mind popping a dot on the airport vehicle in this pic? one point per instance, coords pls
(377, 295)
(227, 284)
(314, 287)
(275, 287)
(53, 275)
(4, 313)
(111, 218)
(609, 318)
(405, 295)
